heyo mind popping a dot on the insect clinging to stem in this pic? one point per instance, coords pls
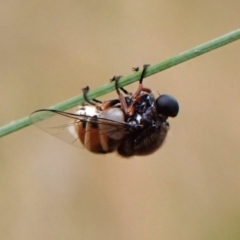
(132, 124)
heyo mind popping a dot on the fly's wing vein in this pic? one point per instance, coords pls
(63, 124)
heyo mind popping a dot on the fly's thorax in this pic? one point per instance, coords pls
(145, 141)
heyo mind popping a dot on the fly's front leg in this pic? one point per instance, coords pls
(140, 86)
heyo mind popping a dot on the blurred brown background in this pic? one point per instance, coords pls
(190, 189)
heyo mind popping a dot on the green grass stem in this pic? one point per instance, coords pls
(155, 68)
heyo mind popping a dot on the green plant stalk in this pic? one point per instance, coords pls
(182, 57)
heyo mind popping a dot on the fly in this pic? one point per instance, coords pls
(131, 124)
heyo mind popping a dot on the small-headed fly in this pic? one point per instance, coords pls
(132, 124)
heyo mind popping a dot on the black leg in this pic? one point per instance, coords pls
(116, 78)
(94, 101)
(136, 69)
(143, 72)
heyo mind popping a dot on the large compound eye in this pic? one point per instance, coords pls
(167, 105)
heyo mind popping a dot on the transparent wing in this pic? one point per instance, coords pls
(62, 124)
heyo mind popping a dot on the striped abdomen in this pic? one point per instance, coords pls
(98, 134)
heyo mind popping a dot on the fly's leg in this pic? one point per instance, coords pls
(99, 104)
(126, 102)
(129, 108)
(140, 86)
(94, 101)
(123, 89)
